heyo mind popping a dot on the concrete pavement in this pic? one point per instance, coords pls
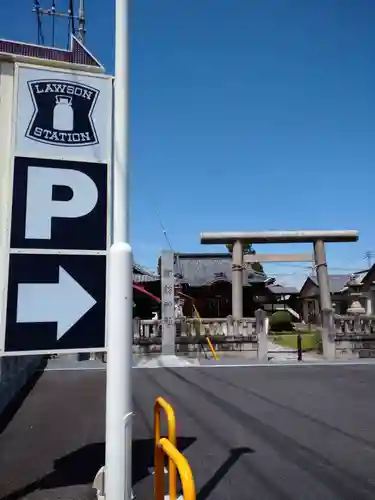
(264, 433)
(278, 353)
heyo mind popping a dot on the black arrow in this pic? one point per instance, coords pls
(78, 54)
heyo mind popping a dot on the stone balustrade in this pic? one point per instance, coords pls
(354, 336)
(226, 333)
(354, 325)
(226, 327)
(350, 336)
(146, 328)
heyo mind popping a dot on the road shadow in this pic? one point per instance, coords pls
(6, 416)
(81, 466)
(235, 455)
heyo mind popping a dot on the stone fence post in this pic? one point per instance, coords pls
(183, 348)
(261, 330)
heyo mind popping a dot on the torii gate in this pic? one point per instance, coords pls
(317, 238)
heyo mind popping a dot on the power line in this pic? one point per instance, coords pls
(152, 205)
(164, 231)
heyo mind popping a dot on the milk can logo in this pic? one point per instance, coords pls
(62, 113)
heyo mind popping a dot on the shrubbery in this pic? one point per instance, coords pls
(281, 321)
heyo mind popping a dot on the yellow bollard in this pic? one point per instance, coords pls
(183, 467)
(161, 403)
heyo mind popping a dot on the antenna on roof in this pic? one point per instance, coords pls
(40, 36)
(69, 15)
(81, 21)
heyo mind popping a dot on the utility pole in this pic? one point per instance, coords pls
(369, 256)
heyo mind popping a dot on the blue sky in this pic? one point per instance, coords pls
(245, 115)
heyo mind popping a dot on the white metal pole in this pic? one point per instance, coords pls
(118, 470)
(120, 156)
(119, 364)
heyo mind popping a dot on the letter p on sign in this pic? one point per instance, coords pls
(41, 207)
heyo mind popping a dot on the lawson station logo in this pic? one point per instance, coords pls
(62, 113)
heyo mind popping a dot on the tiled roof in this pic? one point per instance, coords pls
(363, 277)
(137, 269)
(284, 290)
(204, 269)
(144, 278)
(357, 278)
(336, 281)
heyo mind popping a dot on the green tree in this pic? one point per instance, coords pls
(248, 249)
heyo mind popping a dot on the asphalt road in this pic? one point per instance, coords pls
(273, 433)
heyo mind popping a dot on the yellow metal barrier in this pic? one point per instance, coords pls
(212, 349)
(186, 476)
(196, 312)
(210, 345)
(161, 403)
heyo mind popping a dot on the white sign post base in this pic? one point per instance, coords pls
(113, 482)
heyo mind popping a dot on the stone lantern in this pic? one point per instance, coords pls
(356, 307)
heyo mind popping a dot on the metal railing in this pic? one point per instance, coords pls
(176, 461)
